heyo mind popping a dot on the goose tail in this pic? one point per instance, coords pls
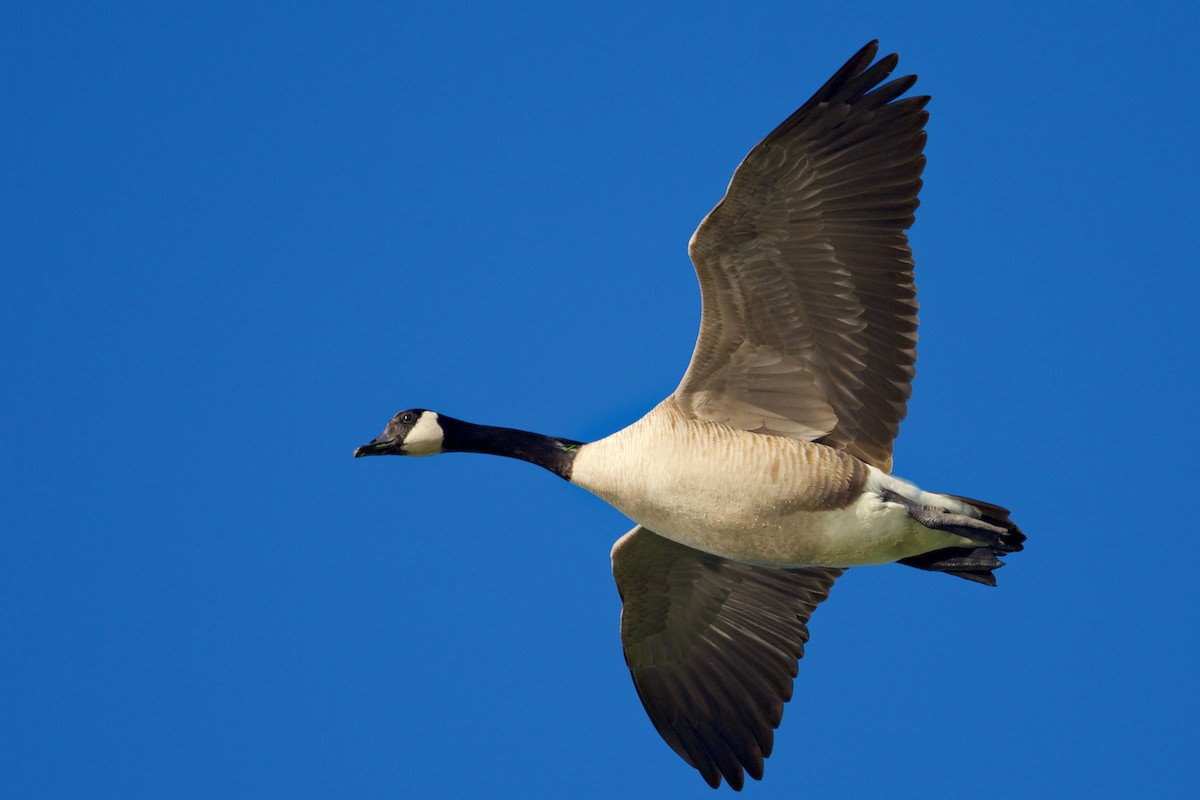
(997, 536)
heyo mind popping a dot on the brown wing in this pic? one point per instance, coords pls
(713, 647)
(810, 313)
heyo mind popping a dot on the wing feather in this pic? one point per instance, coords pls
(809, 305)
(713, 646)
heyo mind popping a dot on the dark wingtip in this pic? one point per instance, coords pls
(854, 80)
(867, 51)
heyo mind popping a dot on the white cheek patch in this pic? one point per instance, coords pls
(425, 438)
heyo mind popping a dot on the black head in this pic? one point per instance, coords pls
(416, 432)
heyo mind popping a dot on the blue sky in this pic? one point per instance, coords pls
(236, 238)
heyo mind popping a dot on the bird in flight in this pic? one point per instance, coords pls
(767, 472)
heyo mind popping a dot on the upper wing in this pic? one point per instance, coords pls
(713, 647)
(810, 312)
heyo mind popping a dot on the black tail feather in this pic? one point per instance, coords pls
(1012, 540)
(974, 563)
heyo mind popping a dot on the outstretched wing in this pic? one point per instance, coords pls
(809, 306)
(713, 647)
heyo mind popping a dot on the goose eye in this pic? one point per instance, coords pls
(408, 418)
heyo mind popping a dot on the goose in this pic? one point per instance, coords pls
(767, 472)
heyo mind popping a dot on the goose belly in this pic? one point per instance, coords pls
(752, 498)
(759, 528)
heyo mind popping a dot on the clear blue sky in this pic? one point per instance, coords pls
(236, 238)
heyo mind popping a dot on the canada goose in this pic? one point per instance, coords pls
(767, 471)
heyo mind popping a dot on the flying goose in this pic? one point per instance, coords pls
(768, 470)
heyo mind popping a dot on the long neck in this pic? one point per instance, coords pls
(550, 452)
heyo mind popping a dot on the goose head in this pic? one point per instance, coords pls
(415, 432)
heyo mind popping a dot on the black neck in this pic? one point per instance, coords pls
(550, 452)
